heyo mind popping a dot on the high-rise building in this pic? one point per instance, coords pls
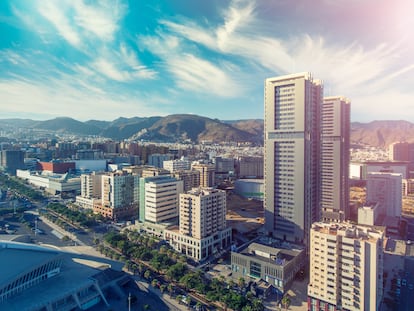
(207, 174)
(12, 160)
(159, 199)
(292, 154)
(91, 185)
(385, 189)
(190, 178)
(335, 132)
(346, 267)
(403, 151)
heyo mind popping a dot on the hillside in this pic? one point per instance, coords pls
(382, 133)
(195, 128)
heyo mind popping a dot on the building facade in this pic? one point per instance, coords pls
(207, 174)
(292, 152)
(277, 266)
(335, 157)
(120, 195)
(202, 230)
(385, 189)
(159, 197)
(346, 267)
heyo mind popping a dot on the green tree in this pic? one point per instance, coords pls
(147, 274)
(286, 301)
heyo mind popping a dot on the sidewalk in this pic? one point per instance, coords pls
(171, 302)
(62, 231)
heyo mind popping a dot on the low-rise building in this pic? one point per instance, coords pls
(275, 265)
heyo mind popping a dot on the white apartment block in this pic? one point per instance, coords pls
(159, 199)
(292, 155)
(346, 267)
(385, 189)
(202, 212)
(202, 230)
(177, 165)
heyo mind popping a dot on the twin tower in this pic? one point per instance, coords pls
(306, 156)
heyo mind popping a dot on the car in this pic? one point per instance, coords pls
(404, 282)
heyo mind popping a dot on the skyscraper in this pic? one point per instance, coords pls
(292, 152)
(335, 131)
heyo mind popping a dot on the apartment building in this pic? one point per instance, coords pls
(346, 267)
(202, 230)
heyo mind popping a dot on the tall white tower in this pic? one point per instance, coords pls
(292, 152)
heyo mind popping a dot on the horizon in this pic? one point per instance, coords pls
(93, 60)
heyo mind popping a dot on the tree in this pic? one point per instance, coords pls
(170, 289)
(147, 274)
(242, 282)
(163, 287)
(285, 301)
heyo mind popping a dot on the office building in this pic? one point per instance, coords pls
(335, 156)
(159, 199)
(190, 178)
(158, 159)
(276, 265)
(403, 151)
(202, 230)
(120, 195)
(385, 189)
(207, 174)
(292, 154)
(249, 167)
(177, 165)
(346, 267)
(12, 160)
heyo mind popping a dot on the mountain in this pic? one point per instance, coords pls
(381, 133)
(172, 128)
(195, 128)
(67, 125)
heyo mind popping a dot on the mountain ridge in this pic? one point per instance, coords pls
(194, 128)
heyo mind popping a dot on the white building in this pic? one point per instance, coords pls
(292, 154)
(346, 267)
(386, 189)
(202, 231)
(177, 165)
(159, 199)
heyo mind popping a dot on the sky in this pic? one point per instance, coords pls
(105, 59)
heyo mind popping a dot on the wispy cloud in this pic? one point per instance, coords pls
(192, 72)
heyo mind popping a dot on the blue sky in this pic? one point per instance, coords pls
(105, 59)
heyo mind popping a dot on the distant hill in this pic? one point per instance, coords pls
(381, 133)
(172, 128)
(68, 125)
(196, 128)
